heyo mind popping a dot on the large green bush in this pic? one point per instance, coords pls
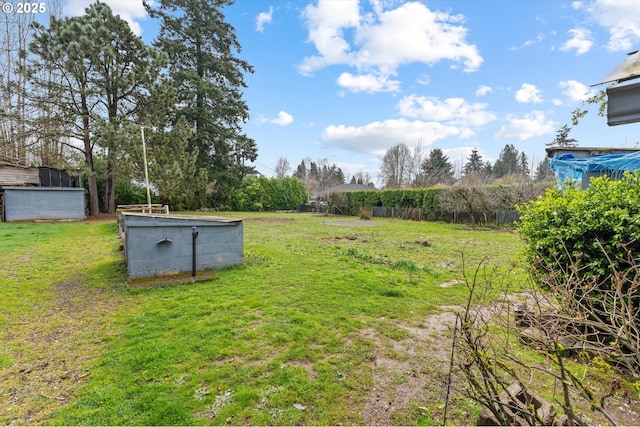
(426, 198)
(596, 228)
(584, 248)
(265, 194)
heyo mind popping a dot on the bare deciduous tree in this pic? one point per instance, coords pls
(282, 168)
(395, 170)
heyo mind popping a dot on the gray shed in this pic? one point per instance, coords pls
(47, 203)
(157, 245)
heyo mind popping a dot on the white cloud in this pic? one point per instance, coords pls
(528, 93)
(423, 80)
(483, 90)
(575, 90)
(368, 83)
(264, 18)
(283, 119)
(621, 18)
(379, 40)
(377, 137)
(525, 126)
(130, 11)
(580, 41)
(450, 110)
(539, 38)
(326, 23)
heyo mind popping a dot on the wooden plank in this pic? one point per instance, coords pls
(12, 175)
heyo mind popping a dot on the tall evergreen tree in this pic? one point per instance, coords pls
(301, 171)
(201, 48)
(508, 162)
(103, 73)
(65, 48)
(172, 166)
(562, 138)
(475, 164)
(544, 172)
(125, 70)
(524, 165)
(436, 169)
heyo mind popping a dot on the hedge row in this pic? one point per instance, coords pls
(425, 198)
(265, 194)
(439, 202)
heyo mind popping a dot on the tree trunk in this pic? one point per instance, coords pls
(110, 186)
(94, 208)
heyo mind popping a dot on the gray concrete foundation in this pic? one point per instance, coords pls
(158, 245)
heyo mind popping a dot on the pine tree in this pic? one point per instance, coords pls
(544, 172)
(172, 166)
(436, 169)
(524, 165)
(508, 162)
(474, 164)
(125, 69)
(201, 48)
(103, 73)
(64, 48)
(562, 138)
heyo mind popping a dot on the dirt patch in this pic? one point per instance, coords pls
(353, 223)
(102, 217)
(407, 371)
(268, 219)
(410, 377)
(335, 238)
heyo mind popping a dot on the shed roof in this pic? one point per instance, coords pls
(572, 163)
(627, 70)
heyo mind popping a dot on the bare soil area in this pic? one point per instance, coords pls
(416, 369)
(410, 370)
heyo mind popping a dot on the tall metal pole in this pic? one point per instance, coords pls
(146, 170)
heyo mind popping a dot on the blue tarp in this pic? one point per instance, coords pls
(568, 167)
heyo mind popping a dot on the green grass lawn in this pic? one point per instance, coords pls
(323, 324)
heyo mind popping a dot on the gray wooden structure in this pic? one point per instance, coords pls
(158, 245)
(32, 193)
(41, 203)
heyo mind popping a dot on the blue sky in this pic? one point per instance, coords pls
(345, 80)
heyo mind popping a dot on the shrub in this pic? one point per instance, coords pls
(583, 246)
(571, 225)
(260, 193)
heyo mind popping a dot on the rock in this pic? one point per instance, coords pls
(534, 337)
(523, 315)
(514, 401)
